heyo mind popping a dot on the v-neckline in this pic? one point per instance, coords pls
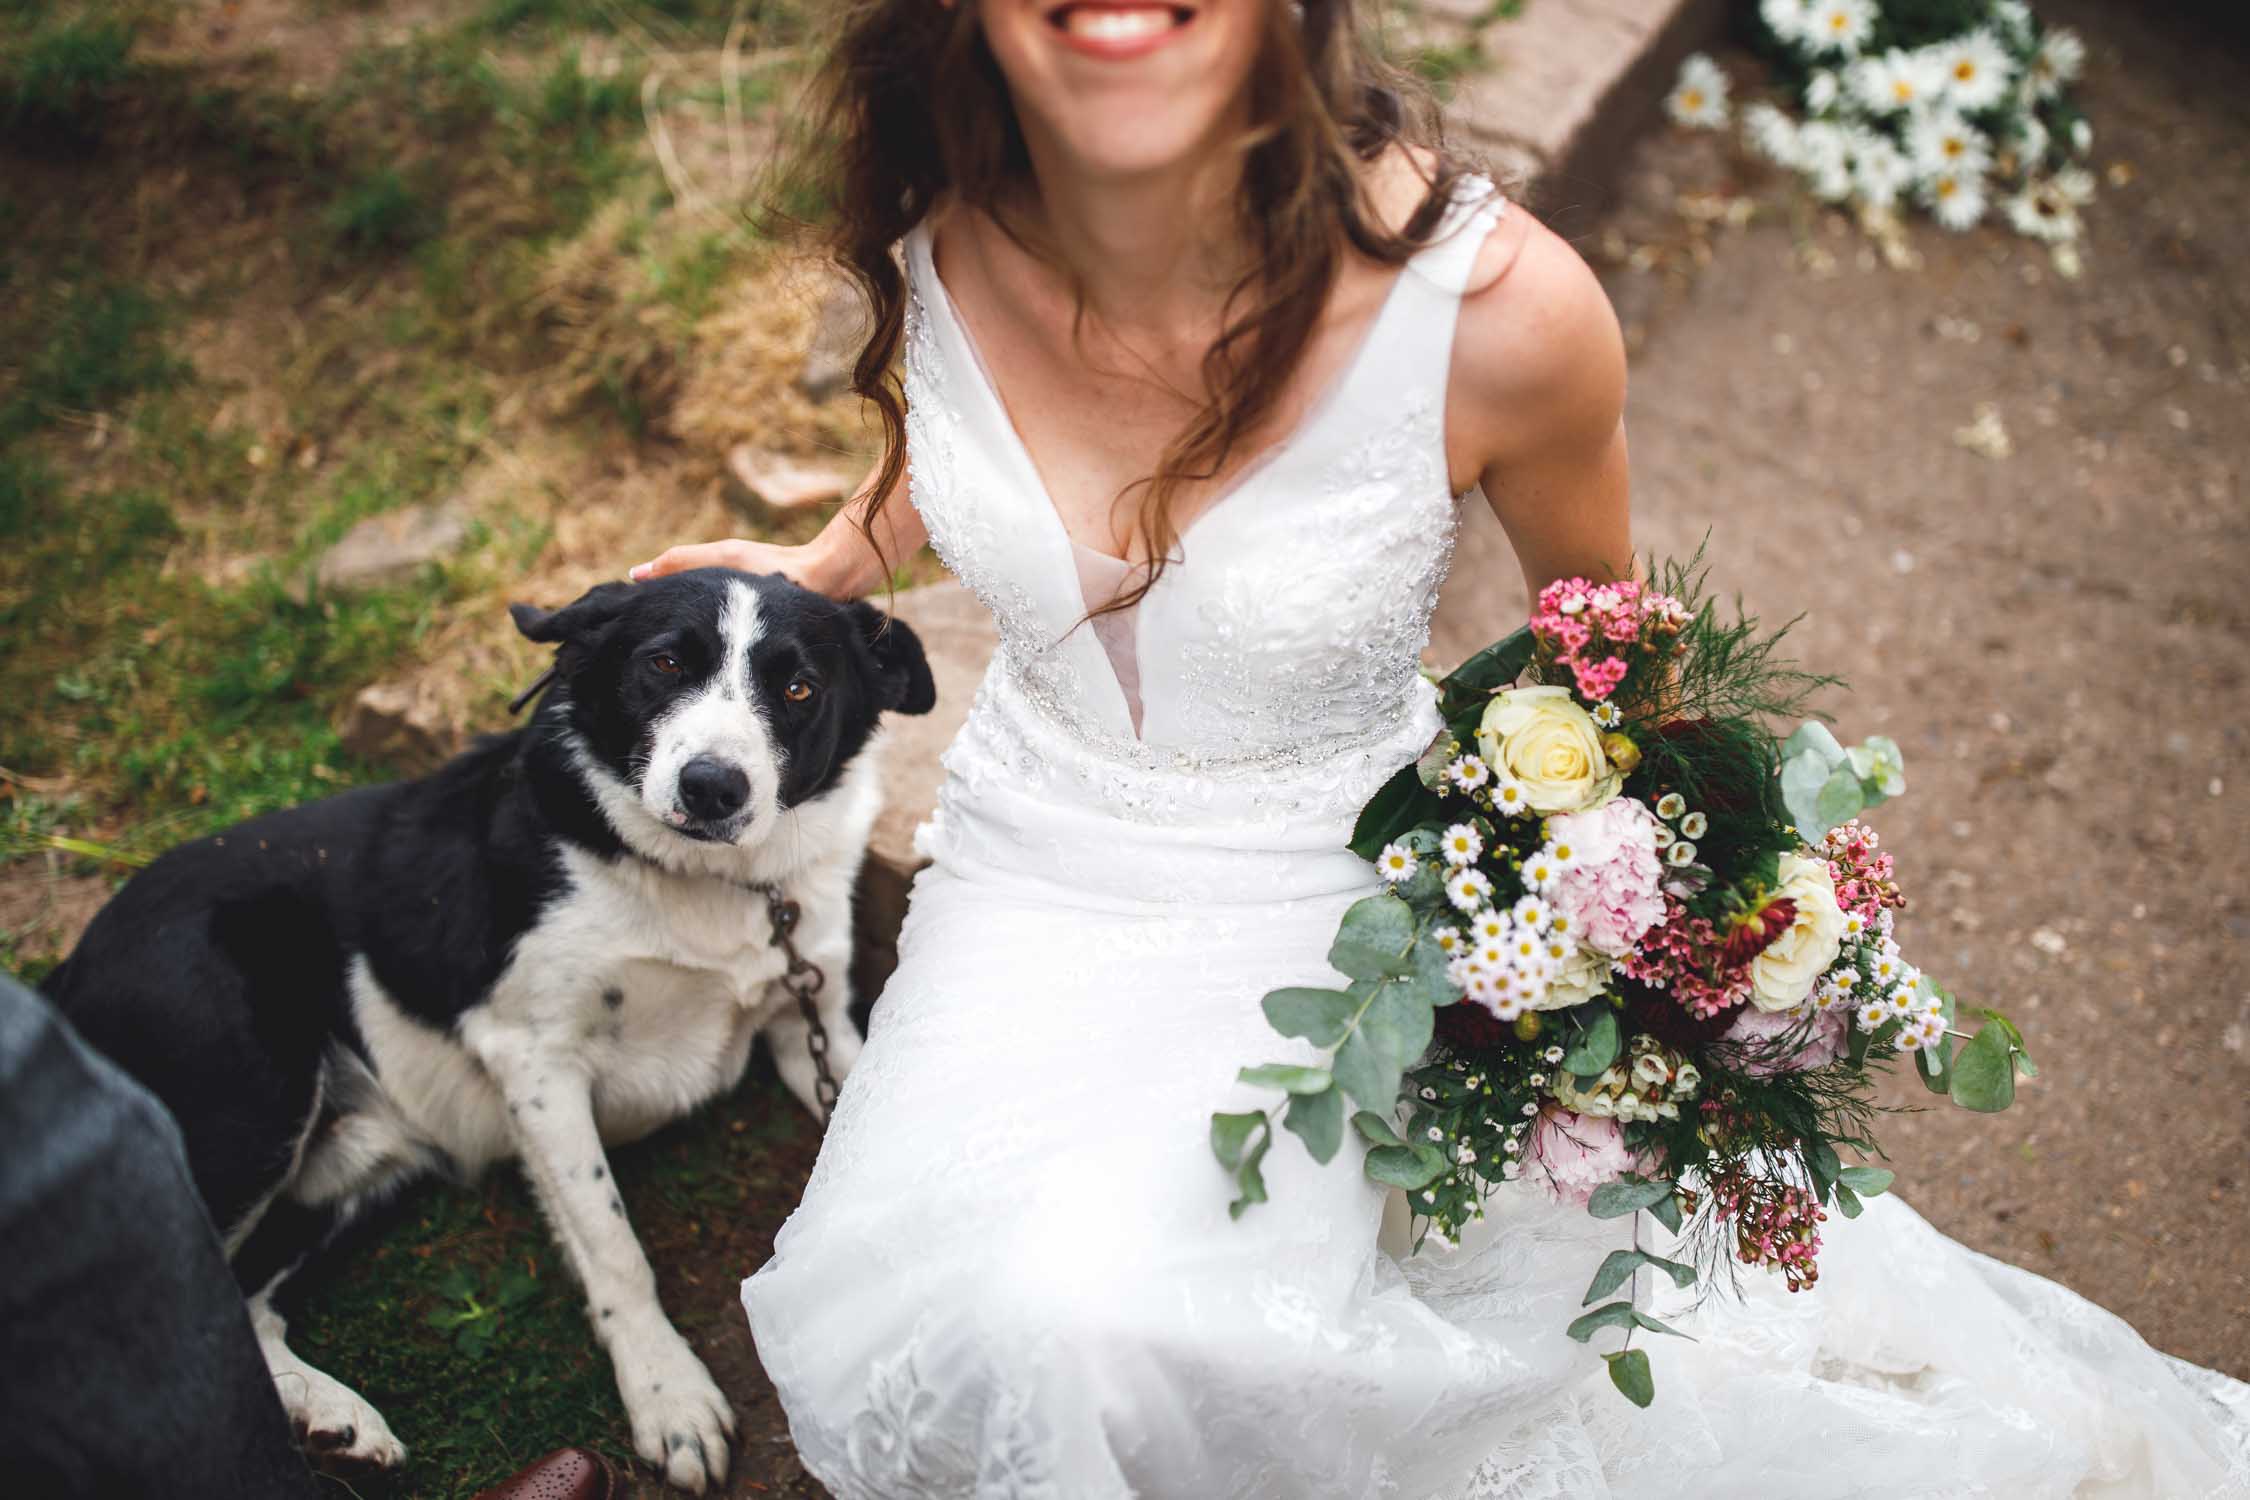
(920, 246)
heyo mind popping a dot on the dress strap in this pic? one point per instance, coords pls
(1446, 261)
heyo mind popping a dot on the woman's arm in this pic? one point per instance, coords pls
(1536, 410)
(838, 562)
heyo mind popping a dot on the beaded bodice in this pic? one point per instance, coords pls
(1281, 647)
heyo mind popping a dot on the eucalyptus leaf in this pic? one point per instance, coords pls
(1841, 798)
(1984, 1073)
(1666, 1211)
(1368, 1073)
(1935, 1064)
(1398, 1023)
(1317, 1119)
(1230, 1133)
(1614, 1200)
(1595, 1049)
(1319, 1016)
(1643, 1320)
(1404, 1167)
(1629, 1372)
(1293, 1077)
(1868, 1182)
(1374, 939)
(1615, 1271)
(1847, 1202)
(1250, 1179)
(1608, 1315)
(1377, 1128)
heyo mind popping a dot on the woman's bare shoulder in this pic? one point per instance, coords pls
(1538, 360)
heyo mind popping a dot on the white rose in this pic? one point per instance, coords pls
(1540, 736)
(1792, 964)
(1576, 980)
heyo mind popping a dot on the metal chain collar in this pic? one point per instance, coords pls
(803, 980)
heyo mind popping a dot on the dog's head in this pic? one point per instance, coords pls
(716, 701)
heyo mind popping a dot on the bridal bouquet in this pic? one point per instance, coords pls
(1633, 948)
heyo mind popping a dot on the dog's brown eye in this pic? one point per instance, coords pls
(798, 690)
(666, 663)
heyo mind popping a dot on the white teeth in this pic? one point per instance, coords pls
(1108, 25)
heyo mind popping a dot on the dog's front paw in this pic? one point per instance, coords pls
(681, 1423)
(335, 1423)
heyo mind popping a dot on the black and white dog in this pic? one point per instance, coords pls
(550, 944)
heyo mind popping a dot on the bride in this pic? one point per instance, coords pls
(1202, 344)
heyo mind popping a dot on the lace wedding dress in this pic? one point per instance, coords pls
(1013, 1273)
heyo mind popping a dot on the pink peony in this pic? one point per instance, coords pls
(1749, 1046)
(1612, 889)
(1575, 1154)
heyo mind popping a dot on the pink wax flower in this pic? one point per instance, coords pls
(1612, 887)
(1753, 1044)
(1574, 1154)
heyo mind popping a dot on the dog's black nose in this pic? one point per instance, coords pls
(711, 790)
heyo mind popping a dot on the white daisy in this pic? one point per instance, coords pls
(2032, 139)
(2037, 211)
(1468, 889)
(1508, 797)
(1397, 863)
(1880, 171)
(1531, 912)
(1872, 1015)
(1606, 714)
(1841, 26)
(1955, 199)
(1789, 20)
(1824, 157)
(1489, 926)
(1468, 772)
(1540, 873)
(1977, 70)
(1562, 851)
(1897, 80)
(1557, 923)
(2013, 17)
(1821, 90)
(2061, 57)
(1699, 98)
(1944, 142)
(1448, 939)
(1461, 844)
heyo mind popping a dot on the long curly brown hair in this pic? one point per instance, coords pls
(880, 152)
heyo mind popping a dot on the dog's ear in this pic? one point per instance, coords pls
(902, 672)
(575, 621)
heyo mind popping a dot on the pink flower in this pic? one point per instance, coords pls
(1575, 1154)
(1612, 889)
(1753, 1044)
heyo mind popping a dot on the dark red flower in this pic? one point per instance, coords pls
(1467, 1024)
(1754, 931)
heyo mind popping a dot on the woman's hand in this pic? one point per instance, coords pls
(799, 564)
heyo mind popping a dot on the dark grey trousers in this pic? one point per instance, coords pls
(127, 1364)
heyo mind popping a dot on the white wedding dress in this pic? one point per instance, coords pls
(1013, 1274)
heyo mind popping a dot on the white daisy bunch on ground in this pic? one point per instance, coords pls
(1961, 109)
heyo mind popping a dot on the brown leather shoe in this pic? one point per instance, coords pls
(565, 1474)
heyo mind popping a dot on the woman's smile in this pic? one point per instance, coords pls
(1116, 30)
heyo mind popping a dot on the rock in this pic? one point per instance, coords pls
(389, 548)
(773, 482)
(402, 724)
(838, 335)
